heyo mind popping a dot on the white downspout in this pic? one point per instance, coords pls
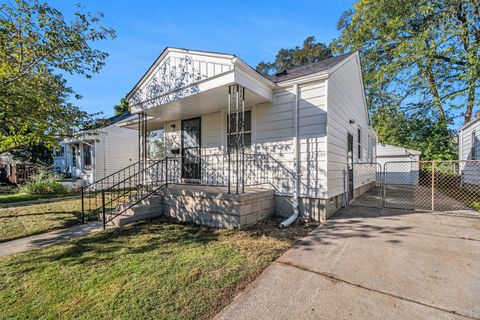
(296, 149)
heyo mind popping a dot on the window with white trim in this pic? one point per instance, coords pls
(247, 130)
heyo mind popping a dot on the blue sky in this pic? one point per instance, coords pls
(253, 30)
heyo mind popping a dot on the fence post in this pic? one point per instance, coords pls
(103, 209)
(83, 208)
(433, 185)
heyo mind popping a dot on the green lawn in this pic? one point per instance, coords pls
(21, 197)
(19, 222)
(150, 270)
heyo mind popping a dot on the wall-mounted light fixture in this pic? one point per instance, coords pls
(172, 126)
(352, 121)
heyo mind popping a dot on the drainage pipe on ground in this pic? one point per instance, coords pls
(295, 214)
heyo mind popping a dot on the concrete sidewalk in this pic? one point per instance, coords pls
(369, 264)
(49, 238)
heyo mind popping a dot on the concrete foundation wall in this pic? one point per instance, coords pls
(312, 209)
(212, 207)
(361, 190)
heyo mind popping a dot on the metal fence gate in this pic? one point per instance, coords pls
(418, 185)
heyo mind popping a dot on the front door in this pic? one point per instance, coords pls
(350, 166)
(191, 148)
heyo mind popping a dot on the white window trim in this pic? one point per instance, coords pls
(226, 118)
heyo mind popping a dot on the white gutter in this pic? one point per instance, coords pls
(295, 214)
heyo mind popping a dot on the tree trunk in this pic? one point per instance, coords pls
(434, 91)
(470, 101)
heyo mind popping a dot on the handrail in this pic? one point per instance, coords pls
(122, 181)
(126, 188)
(111, 175)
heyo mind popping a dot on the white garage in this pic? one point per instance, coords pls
(400, 165)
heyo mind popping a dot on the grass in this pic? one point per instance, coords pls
(19, 222)
(21, 197)
(151, 270)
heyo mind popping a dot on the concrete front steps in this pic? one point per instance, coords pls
(150, 207)
(199, 204)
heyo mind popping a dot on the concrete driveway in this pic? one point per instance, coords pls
(369, 264)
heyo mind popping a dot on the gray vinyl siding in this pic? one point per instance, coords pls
(345, 102)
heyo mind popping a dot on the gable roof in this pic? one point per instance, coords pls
(166, 51)
(316, 67)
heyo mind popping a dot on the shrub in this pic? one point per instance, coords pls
(43, 182)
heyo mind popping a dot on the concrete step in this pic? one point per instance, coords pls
(147, 208)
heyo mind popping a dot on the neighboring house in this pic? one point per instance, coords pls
(311, 121)
(468, 149)
(401, 165)
(14, 170)
(91, 155)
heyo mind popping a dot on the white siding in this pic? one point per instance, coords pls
(465, 141)
(400, 165)
(211, 132)
(470, 170)
(345, 102)
(274, 125)
(115, 149)
(312, 125)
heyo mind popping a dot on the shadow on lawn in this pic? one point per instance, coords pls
(151, 235)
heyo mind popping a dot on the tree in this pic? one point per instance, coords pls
(311, 52)
(122, 107)
(36, 43)
(416, 130)
(420, 54)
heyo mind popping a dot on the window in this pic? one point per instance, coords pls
(359, 151)
(155, 144)
(60, 151)
(473, 151)
(87, 157)
(247, 132)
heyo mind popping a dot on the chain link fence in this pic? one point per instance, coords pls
(418, 185)
(367, 185)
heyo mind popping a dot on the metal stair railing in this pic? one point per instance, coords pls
(120, 197)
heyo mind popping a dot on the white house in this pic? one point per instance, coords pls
(401, 165)
(468, 148)
(310, 122)
(91, 155)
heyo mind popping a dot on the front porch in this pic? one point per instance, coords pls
(204, 205)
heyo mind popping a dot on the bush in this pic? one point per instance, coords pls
(43, 182)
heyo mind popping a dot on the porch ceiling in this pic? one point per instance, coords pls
(213, 100)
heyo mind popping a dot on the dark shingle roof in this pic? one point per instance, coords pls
(316, 67)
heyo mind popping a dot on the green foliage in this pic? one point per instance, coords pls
(311, 52)
(418, 131)
(43, 182)
(36, 39)
(422, 54)
(122, 107)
